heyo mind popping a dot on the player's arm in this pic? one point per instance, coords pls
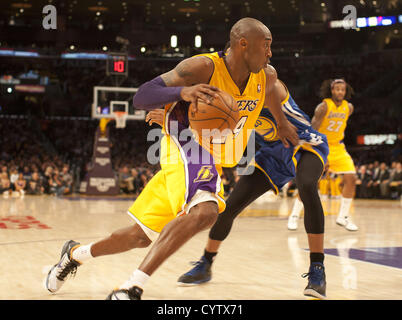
(319, 114)
(351, 109)
(287, 132)
(187, 81)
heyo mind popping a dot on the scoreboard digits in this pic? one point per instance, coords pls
(117, 64)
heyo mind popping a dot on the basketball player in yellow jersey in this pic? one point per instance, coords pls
(330, 118)
(175, 205)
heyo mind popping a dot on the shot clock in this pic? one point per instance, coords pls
(117, 64)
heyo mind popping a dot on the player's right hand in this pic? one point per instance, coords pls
(287, 133)
(202, 91)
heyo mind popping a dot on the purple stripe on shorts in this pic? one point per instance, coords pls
(200, 166)
(201, 170)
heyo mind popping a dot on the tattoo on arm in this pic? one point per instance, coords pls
(189, 72)
(182, 70)
(178, 76)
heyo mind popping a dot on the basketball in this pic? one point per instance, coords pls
(222, 113)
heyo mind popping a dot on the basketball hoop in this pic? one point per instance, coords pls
(120, 117)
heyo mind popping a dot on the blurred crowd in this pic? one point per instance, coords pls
(16, 181)
(378, 180)
(373, 181)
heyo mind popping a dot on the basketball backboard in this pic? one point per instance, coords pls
(107, 100)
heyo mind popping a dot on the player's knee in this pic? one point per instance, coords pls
(205, 214)
(306, 183)
(140, 241)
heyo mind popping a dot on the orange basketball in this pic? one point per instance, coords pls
(222, 113)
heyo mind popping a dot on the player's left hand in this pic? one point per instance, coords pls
(287, 133)
(155, 116)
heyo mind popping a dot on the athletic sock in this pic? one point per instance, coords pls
(345, 207)
(297, 208)
(82, 253)
(316, 257)
(210, 256)
(138, 278)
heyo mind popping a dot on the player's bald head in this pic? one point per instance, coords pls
(248, 28)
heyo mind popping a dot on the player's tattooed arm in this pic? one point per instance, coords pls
(191, 71)
(319, 114)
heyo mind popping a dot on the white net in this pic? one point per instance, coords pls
(120, 117)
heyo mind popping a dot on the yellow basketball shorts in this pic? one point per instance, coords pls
(339, 160)
(185, 180)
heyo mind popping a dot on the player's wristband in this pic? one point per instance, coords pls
(154, 94)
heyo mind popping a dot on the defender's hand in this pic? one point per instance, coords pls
(287, 133)
(155, 116)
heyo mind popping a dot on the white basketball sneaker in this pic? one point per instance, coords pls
(293, 222)
(66, 266)
(347, 223)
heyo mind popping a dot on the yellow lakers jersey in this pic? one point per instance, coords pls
(227, 151)
(335, 121)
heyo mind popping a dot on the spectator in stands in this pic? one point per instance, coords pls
(54, 182)
(47, 177)
(143, 181)
(4, 170)
(67, 181)
(375, 168)
(135, 181)
(20, 184)
(124, 180)
(5, 185)
(362, 182)
(384, 185)
(13, 176)
(395, 184)
(382, 174)
(27, 173)
(35, 186)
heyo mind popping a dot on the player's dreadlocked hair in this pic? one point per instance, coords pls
(326, 86)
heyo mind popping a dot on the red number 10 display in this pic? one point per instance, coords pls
(118, 66)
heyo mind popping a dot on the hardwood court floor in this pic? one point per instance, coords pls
(260, 259)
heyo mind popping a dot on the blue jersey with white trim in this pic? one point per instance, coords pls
(266, 127)
(277, 162)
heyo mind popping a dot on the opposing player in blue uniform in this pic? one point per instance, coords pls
(275, 165)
